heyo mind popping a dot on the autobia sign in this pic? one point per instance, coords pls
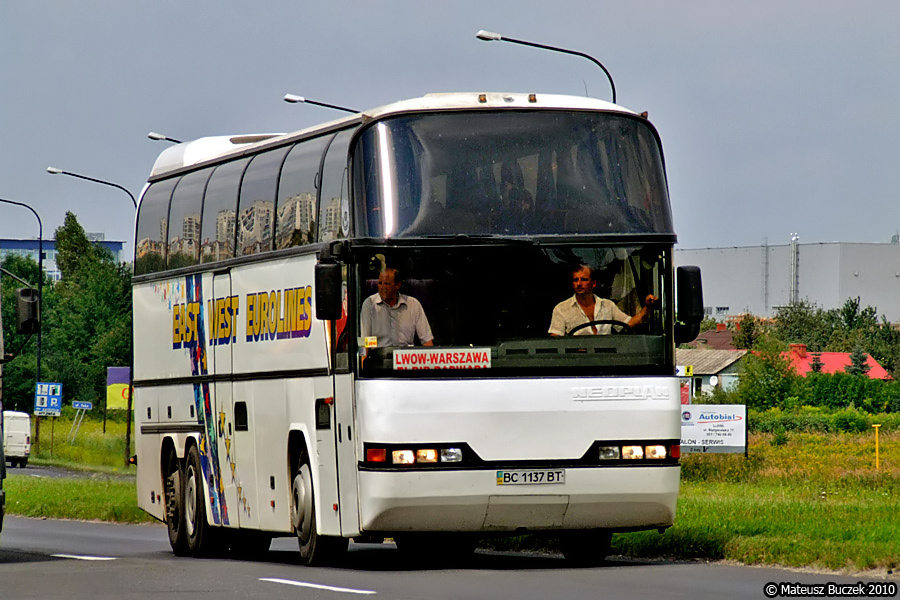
(720, 428)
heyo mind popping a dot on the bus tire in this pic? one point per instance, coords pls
(197, 530)
(315, 549)
(174, 504)
(586, 548)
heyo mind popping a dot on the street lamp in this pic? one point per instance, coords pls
(294, 99)
(55, 171)
(490, 36)
(37, 426)
(162, 138)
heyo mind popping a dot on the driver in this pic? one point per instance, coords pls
(585, 307)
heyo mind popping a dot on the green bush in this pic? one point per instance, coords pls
(812, 419)
(849, 420)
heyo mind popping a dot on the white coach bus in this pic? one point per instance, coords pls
(263, 408)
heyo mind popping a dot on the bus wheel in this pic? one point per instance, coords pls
(197, 531)
(587, 548)
(315, 549)
(174, 498)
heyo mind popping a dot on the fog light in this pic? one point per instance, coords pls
(609, 452)
(451, 455)
(403, 457)
(426, 455)
(632, 452)
(376, 455)
(655, 452)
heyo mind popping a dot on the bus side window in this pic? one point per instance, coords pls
(219, 212)
(184, 220)
(334, 203)
(295, 215)
(150, 247)
(256, 207)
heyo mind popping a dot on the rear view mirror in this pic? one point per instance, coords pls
(328, 291)
(689, 295)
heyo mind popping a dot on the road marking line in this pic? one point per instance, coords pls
(317, 586)
(79, 557)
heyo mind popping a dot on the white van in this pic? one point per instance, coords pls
(17, 437)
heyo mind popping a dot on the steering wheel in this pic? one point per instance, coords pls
(624, 328)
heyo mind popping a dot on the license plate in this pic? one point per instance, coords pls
(531, 477)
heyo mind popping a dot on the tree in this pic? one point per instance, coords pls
(19, 375)
(767, 378)
(73, 248)
(748, 332)
(857, 364)
(90, 327)
(804, 323)
(816, 365)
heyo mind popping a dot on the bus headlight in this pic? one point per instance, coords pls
(609, 452)
(426, 455)
(451, 455)
(655, 452)
(403, 457)
(632, 452)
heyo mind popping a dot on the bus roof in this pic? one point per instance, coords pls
(187, 154)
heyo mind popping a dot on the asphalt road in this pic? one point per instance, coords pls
(94, 561)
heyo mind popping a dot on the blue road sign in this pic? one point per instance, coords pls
(47, 399)
(82, 405)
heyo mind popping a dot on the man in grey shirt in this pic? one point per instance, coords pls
(394, 318)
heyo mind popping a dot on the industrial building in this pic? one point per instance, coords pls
(758, 279)
(29, 248)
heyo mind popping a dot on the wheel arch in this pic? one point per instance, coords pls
(298, 442)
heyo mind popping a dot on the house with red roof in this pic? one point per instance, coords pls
(832, 362)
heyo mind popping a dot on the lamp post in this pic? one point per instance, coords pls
(489, 36)
(56, 171)
(37, 424)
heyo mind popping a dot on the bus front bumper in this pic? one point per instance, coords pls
(616, 498)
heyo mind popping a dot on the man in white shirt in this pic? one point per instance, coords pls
(585, 307)
(394, 318)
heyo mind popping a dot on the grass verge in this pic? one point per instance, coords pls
(804, 500)
(88, 499)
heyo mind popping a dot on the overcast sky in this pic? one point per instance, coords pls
(776, 117)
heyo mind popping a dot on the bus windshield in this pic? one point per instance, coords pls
(507, 173)
(491, 306)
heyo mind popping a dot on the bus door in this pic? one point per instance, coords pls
(345, 430)
(345, 420)
(222, 323)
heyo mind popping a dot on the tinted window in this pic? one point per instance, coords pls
(297, 191)
(256, 214)
(219, 212)
(511, 173)
(184, 220)
(150, 247)
(334, 206)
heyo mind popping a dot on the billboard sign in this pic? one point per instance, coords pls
(720, 428)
